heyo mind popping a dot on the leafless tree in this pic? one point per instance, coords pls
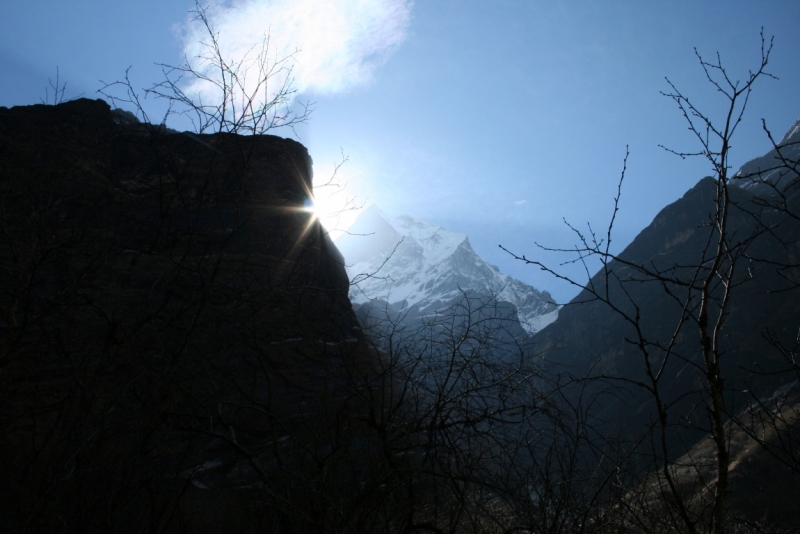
(249, 95)
(59, 90)
(701, 292)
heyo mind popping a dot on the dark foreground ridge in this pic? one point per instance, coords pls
(169, 320)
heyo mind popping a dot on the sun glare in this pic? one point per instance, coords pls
(333, 210)
(309, 206)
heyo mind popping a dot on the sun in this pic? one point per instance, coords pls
(309, 206)
(333, 210)
(333, 200)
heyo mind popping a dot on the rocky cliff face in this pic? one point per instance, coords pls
(169, 318)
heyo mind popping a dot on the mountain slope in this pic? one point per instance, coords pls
(411, 263)
(770, 171)
(589, 339)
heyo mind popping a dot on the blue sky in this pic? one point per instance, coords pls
(493, 118)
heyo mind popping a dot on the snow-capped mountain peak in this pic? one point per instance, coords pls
(768, 173)
(409, 262)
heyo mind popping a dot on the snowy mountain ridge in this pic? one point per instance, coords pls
(769, 173)
(409, 262)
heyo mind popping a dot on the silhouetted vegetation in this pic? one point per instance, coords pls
(178, 352)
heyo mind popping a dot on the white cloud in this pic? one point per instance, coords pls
(520, 202)
(339, 43)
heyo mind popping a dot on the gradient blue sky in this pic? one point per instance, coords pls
(492, 118)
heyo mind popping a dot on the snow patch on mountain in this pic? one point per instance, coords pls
(769, 173)
(408, 262)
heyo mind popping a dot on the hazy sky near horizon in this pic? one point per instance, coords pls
(497, 119)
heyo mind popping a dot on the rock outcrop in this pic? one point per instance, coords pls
(170, 319)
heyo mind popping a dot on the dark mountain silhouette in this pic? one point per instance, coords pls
(171, 323)
(590, 340)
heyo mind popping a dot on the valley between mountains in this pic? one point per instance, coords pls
(183, 348)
